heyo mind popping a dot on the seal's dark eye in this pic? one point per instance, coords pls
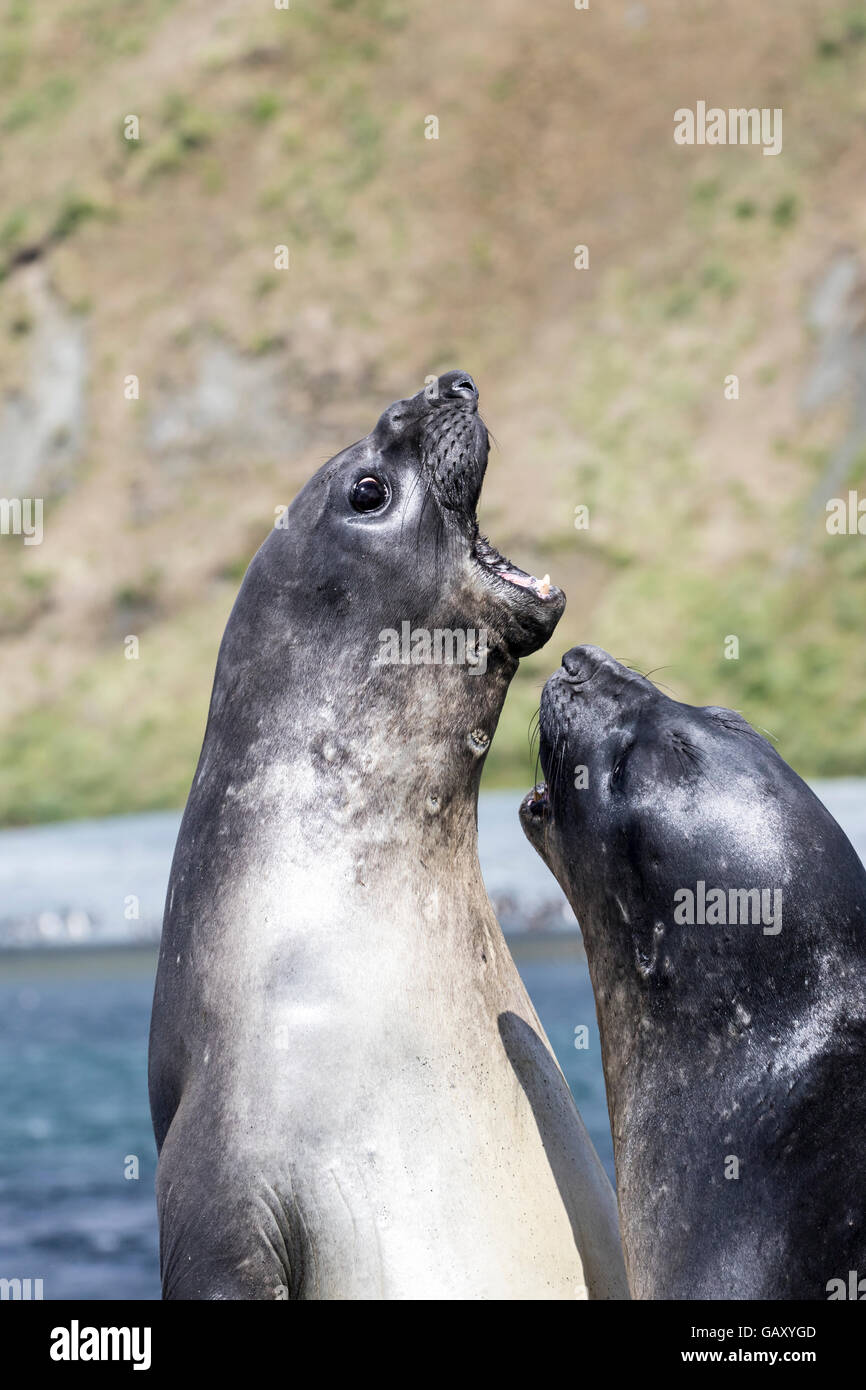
(368, 494)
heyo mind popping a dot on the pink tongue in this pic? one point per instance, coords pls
(524, 580)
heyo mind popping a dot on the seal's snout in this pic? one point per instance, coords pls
(535, 815)
(454, 443)
(583, 664)
(458, 386)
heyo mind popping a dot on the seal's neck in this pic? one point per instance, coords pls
(732, 1076)
(352, 741)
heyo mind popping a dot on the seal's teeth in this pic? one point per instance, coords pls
(544, 586)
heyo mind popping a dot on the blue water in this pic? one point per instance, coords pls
(74, 1101)
(74, 1022)
(73, 1092)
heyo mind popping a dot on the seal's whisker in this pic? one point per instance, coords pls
(437, 540)
(535, 753)
(660, 684)
(560, 748)
(648, 675)
(416, 483)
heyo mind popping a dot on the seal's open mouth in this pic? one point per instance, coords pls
(489, 558)
(536, 804)
(536, 816)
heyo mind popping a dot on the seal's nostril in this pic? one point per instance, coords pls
(586, 663)
(458, 386)
(580, 662)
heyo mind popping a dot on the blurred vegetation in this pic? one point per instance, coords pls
(603, 388)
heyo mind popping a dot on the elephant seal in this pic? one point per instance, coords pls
(351, 1093)
(723, 912)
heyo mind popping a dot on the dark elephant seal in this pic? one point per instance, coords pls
(351, 1093)
(724, 916)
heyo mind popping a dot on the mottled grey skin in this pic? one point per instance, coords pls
(719, 1042)
(351, 1093)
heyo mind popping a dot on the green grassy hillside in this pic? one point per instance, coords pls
(604, 387)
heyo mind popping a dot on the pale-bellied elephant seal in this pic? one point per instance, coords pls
(351, 1093)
